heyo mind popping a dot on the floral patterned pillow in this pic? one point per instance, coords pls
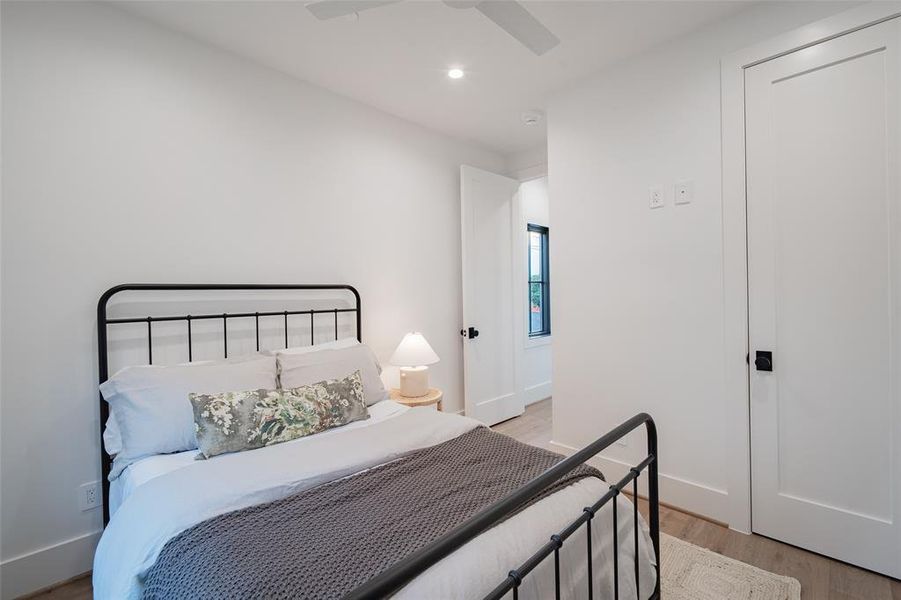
(236, 421)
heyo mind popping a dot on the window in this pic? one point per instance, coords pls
(539, 286)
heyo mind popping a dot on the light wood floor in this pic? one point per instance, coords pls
(821, 578)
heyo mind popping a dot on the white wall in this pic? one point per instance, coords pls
(534, 207)
(638, 294)
(132, 153)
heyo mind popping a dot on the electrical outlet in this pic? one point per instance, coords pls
(655, 196)
(89, 495)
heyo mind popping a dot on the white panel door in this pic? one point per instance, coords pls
(824, 275)
(490, 362)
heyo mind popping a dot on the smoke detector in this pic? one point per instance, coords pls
(530, 118)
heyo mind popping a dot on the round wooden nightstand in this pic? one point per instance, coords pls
(433, 397)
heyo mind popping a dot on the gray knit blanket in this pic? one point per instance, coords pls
(325, 541)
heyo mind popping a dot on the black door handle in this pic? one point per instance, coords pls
(764, 360)
(471, 333)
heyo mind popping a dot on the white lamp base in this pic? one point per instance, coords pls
(414, 381)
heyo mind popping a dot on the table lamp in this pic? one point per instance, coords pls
(412, 355)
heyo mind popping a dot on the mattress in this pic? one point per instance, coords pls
(165, 495)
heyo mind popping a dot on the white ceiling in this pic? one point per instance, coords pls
(395, 57)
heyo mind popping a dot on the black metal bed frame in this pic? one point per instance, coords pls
(395, 577)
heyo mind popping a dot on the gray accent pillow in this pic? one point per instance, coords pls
(237, 421)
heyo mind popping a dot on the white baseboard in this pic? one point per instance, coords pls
(44, 567)
(695, 497)
(537, 392)
(494, 410)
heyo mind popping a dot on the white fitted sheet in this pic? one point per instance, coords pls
(165, 497)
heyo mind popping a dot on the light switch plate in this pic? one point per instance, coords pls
(655, 196)
(683, 192)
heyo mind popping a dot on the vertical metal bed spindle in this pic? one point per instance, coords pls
(558, 543)
(590, 555)
(616, 545)
(149, 341)
(635, 530)
(517, 581)
(225, 335)
(190, 341)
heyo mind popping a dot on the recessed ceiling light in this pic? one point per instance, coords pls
(455, 73)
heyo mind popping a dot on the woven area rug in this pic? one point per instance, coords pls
(694, 573)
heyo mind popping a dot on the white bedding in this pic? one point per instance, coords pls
(146, 469)
(163, 495)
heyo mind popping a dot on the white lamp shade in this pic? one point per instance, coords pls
(413, 351)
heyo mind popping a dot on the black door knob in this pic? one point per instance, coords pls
(764, 360)
(472, 332)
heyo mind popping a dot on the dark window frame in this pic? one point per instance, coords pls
(544, 282)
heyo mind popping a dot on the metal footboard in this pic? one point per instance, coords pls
(400, 574)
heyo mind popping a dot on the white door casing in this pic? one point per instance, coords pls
(824, 295)
(490, 362)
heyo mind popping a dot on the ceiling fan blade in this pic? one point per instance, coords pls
(513, 18)
(331, 9)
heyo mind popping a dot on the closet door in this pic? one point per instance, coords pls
(825, 297)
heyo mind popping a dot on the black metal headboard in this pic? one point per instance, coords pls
(104, 322)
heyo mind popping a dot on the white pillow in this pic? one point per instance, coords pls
(150, 403)
(112, 437)
(298, 369)
(342, 343)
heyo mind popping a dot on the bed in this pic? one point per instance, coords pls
(391, 505)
